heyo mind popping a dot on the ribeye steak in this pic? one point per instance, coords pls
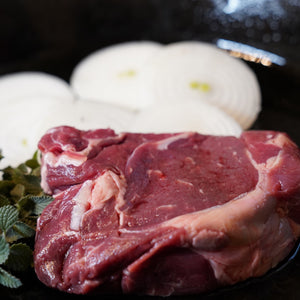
(163, 214)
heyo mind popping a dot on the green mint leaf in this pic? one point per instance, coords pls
(25, 206)
(30, 182)
(23, 229)
(32, 163)
(36, 172)
(40, 203)
(23, 168)
(9, 280)
(8, 173)
(5, 187)
(21, 203)
(21, 176)
(18, 191)
(4, 200)
(4, 249)
(20, 257)
(36, 155)
(18, 231)
(30, 221)
(8, 217)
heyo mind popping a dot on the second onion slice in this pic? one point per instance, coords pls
(201, 71)
(112, 74)
(186, 116)
(87, 115)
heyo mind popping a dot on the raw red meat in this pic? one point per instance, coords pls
(163, 214)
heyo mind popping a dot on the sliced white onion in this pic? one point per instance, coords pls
(21, 125)
(35, 84)
(200, 71)
(87, 115)
(112, 74)
(190, 115)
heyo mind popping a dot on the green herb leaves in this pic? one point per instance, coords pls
(21, 202)
(9, 280)
(20, 257)
(6, 278)
(8, 217)
(4, 249)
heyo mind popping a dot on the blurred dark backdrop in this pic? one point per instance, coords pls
(54, 35)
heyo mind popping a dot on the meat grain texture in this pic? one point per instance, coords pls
(164, 214)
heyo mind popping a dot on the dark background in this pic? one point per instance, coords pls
(53, 36)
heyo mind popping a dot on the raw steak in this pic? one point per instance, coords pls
(163, 214)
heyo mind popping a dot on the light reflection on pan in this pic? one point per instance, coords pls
(250, 53)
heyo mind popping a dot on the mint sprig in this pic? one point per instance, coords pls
(4, 249)
(9, 280)
(21, 202)
(8, 217)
